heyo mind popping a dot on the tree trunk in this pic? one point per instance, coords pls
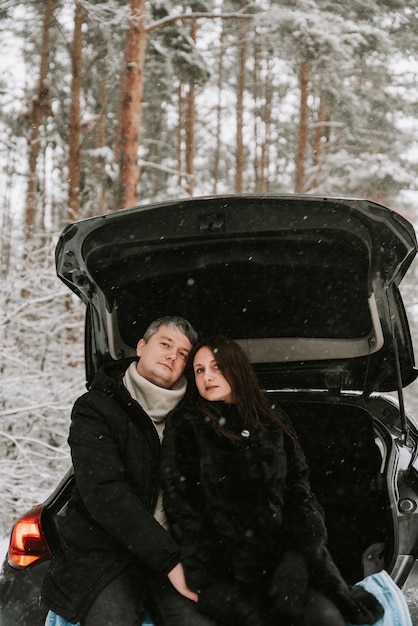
(239, 150)
(302, 144)
(130, 114)
(180, 127)
(74, 131)
(265, 148)
(190, 139)
(257, 138)
(40, 108)
(190, 126)
(320, 138)
(6, 221)
(101, 142)
(218, 138)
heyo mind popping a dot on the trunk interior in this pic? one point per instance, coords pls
(346, 461)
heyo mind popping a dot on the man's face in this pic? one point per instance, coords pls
(163, 357)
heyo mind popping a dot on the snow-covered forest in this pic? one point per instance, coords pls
(104, 105)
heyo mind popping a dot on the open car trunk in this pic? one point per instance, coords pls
(309, 287)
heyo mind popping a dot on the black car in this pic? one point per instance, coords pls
(309, 287)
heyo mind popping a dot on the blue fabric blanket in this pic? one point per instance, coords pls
(390, 597)
(52, 619)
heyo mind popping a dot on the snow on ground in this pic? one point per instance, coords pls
(4, 542)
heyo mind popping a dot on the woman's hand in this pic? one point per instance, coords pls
(177, 579)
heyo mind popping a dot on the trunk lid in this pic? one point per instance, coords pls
(308, 285)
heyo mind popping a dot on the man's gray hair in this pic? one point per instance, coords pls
(173, 322)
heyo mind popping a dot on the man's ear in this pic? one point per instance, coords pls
(139, 346)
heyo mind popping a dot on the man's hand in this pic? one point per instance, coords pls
(176, 577)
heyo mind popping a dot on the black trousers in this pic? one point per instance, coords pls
(123, 602)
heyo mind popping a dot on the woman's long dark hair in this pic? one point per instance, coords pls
(251, 401)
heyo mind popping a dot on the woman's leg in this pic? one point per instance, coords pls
(170, 608)
(321, 611)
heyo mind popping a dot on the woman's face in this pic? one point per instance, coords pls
(210, 382)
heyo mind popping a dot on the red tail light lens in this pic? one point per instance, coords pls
(27, 544)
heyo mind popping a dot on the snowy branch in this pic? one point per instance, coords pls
(241, 14)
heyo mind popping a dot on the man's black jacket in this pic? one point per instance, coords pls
(109, 525)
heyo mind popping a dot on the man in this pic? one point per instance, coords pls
(115, 546)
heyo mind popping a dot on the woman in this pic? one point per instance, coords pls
(238, 501)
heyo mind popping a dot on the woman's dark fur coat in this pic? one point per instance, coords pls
(252, 533)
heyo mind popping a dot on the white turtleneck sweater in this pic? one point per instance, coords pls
(156, 402)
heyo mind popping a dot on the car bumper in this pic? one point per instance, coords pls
(20, 596)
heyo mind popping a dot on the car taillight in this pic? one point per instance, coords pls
(27, 544)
